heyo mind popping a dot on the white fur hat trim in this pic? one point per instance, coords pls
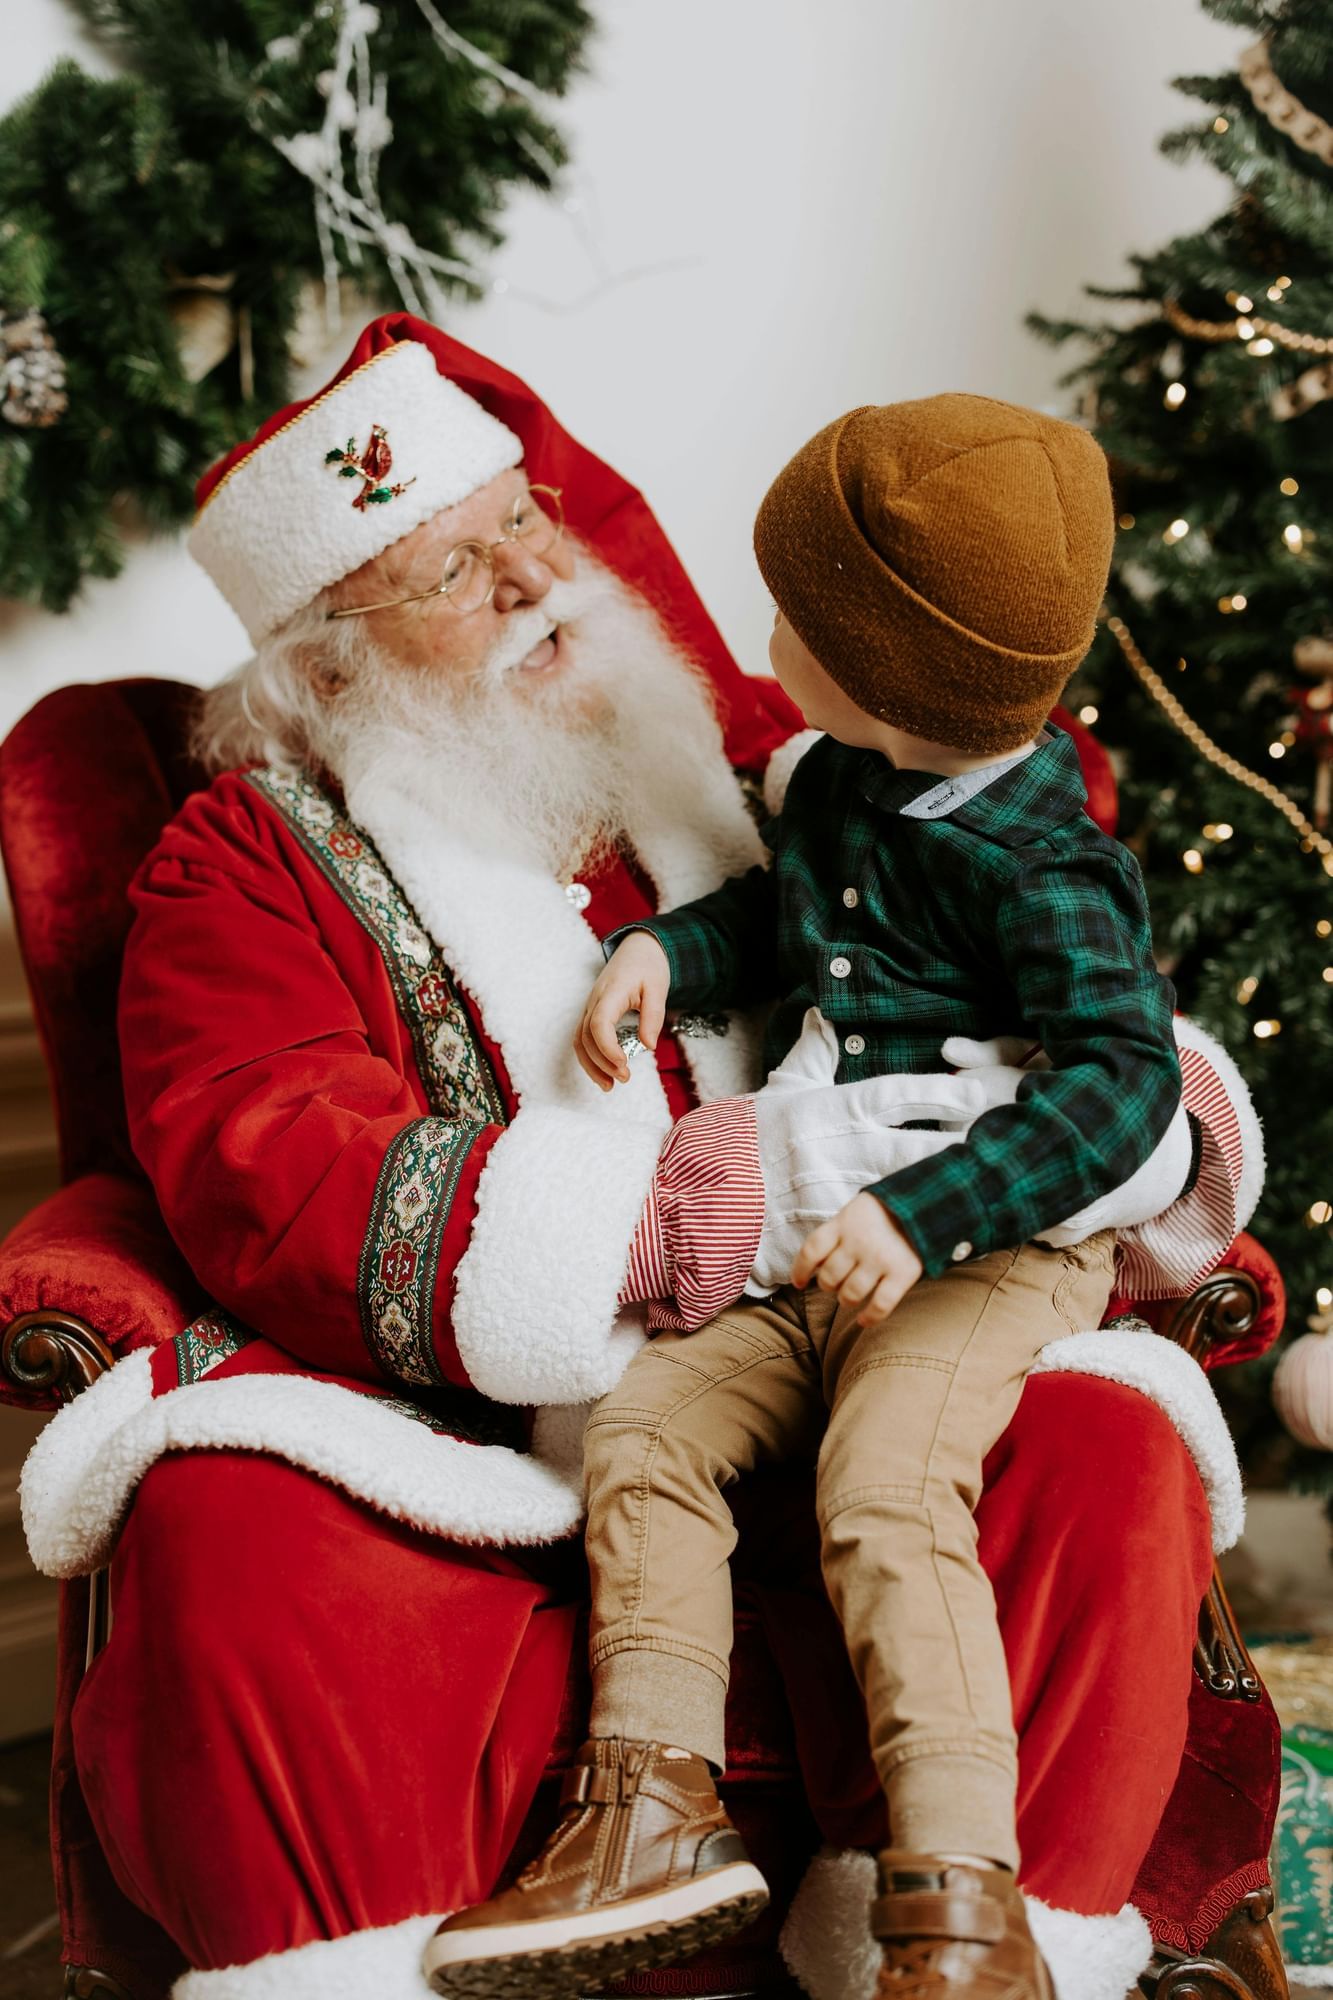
(283, 524)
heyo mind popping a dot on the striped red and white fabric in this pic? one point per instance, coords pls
(700, 1227)
(1166, 1257)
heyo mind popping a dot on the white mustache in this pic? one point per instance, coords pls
(525, 630)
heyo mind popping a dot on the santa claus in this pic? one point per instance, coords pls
(345, 1593)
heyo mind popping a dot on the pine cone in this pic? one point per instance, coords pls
(32, 373)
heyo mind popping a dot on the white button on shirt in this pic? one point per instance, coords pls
(840, 967)
(855, 1045)
(850, 898)
(961, 1251)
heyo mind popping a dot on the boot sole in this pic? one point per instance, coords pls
(559, 1957)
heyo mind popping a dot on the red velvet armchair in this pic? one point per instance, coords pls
(87, 780)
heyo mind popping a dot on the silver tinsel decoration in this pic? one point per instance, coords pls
(32, 373)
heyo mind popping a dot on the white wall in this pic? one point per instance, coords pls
(850, 201)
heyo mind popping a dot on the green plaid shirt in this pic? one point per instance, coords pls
(1009, 913)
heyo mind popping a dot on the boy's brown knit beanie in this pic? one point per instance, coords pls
(944, 561)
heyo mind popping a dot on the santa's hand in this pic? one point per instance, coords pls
(636, 975)
(999, 1067)
(821, 1143)
(1145, 1194)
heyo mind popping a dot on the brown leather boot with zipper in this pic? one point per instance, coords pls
(951, 1931)
(643, 1869)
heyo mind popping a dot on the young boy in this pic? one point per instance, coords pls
(937, 568)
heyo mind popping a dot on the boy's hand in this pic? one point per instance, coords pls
(863, 1256)
(635, 976)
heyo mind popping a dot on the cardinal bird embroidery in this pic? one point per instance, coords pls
(371, 466)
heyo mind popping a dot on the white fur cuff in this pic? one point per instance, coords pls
(828, 1945)
(367, 1965)
(536, 1313)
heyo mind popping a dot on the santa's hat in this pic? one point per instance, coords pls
(268, 532)
(326, 484)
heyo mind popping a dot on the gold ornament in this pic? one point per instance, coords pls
(1311, 838)
(208, 326)
(1244, 327)
(1293, 399)
(1285, 113)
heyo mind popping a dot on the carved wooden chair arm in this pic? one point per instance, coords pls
(52, 1354)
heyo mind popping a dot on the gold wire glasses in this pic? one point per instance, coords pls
(468, 578)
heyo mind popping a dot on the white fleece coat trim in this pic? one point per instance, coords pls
(83, 1469)
(783, 762)
(81, 1473)
(829, 1948)
(535, 1312)
(382, 1964)
(1157, 1368)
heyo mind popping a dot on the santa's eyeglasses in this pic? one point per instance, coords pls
(468, 577)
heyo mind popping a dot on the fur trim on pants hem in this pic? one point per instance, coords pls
(827, 1943)
(384, 1963)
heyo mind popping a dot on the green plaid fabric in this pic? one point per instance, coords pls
(1008, 914)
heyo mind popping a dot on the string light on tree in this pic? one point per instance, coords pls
(1264, 1031)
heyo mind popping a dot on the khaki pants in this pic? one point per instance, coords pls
(900, 1415)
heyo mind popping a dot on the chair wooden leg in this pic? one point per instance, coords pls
(85, 1982)
(1240, 1961)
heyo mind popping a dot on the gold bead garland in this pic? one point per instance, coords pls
(1218, 330)
(1213, 753)
(1285, 113)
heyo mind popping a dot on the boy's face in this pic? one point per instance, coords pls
(821, 701)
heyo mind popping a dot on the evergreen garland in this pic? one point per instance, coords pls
(161, 232)
(1223, 568)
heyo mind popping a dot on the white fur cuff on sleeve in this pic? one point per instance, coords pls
(536, 1312)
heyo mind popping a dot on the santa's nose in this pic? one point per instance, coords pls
(520, 576)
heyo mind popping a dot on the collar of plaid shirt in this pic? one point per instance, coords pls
(1009, 802)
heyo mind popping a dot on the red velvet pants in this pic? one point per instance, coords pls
(309, 1719)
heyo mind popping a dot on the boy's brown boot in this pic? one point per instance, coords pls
(644, 1868)
(953, 1932)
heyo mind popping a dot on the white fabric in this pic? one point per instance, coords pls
(383, 1964)
(821, 1143)
(828, 1945)
(281, 526)
(81, 1473)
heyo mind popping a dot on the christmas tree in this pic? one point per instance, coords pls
(1210, 384)
(171, 236)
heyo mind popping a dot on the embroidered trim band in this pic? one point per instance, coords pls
(400, 1254)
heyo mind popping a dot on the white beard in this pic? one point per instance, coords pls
(550, 772)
